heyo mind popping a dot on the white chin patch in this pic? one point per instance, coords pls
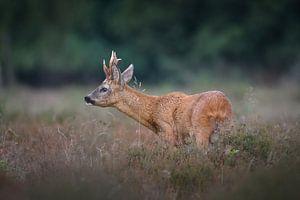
(88, 104)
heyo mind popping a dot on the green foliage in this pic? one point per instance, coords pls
(189, 177)
(3, 166)
(71, 36)
(136, 154)
(257, 145)
(58, 53)
(232, 157)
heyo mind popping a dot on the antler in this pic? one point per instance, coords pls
(113, 59)
(113, 62)
(106, 70)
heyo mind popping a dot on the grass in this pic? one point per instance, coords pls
(52, 146)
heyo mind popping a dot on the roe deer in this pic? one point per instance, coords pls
(174, 116)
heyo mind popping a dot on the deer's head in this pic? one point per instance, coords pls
(110, 90)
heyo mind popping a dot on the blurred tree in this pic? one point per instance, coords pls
(61, 38)
(34, 33)
(6, 26)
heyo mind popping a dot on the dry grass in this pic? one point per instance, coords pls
(54, 147)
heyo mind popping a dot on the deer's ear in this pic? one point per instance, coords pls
(116, 73)
(127, 74)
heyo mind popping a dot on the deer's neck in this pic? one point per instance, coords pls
(138, 106)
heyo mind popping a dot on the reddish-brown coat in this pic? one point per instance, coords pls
(174, 116)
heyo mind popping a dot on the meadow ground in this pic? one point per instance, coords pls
(53, 146)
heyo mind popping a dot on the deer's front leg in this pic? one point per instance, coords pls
(167, 133)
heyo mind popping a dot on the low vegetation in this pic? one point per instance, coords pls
(54, 147)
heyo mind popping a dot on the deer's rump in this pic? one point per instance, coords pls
(199, 114)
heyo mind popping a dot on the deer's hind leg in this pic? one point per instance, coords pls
(202, 130)
(202, 136)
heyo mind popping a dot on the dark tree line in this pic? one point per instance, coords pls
(54, 40)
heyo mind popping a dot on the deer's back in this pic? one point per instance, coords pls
(166, 105)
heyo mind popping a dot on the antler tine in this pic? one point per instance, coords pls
(116, 58)
(113, 59)
(104, 65)
(106, 70)
(112, 62)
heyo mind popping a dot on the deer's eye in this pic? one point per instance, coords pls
(103, 90)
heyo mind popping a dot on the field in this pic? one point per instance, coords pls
(53, 146)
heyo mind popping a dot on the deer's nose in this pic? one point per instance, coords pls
(88, 99)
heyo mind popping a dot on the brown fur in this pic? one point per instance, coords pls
(174, 116)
